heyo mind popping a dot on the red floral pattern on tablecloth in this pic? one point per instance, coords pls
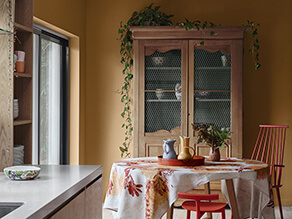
(115, 184)
(156, 193)
(129, 183)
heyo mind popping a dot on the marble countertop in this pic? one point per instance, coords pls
(41, 196)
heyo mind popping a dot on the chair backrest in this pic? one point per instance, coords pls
(269, 148)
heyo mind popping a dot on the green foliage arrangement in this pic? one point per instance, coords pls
(151, 16)
(212, 136)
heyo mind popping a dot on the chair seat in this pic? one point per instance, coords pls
(204, 206)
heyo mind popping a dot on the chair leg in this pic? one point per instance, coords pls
(188, 214)
(199, 214)
(279, 201)
(223, 213)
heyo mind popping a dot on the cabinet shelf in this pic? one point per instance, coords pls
(22, 28)
(21, 122)
(163, 68)
(163, 100)
(22, 75)
(213, 91)
(213, 68)
(211, 100)
(164, 91)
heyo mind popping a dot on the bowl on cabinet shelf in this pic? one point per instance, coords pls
(158, 60)
(203, 94)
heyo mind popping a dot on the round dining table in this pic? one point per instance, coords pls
(143, 188)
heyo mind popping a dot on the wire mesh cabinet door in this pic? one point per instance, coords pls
(215, 90)
(160, 95)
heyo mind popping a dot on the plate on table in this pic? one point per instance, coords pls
(22, 172)
(196, 161)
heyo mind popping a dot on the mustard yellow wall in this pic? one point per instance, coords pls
(267, 93)
(69, 15)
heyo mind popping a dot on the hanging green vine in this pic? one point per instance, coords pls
(153, 17)
(254, 44)
(147, 17)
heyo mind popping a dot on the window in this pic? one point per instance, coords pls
(50, 97)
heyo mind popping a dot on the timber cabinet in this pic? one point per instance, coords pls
(179, 82)
(6, 85)
(87, 204)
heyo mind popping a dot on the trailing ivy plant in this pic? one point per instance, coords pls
(147, 17)
(151, 16)
(254, 44)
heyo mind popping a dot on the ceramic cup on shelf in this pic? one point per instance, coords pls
(224, 61)
(20, 55)
(159, 94)
(19, 67)
(20, 63)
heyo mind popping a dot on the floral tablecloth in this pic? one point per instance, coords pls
(141, 188)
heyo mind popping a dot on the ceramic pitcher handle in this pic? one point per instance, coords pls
(193, 151)
(164, 148)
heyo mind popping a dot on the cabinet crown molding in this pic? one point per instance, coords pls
(169, 32)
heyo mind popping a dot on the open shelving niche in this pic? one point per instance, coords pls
(23, 28)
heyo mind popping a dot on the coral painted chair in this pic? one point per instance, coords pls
(201, 207)
(269, 148)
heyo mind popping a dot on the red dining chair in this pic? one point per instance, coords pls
(201, 207)
(269, 148)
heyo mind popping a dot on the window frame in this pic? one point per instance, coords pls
(47, 34)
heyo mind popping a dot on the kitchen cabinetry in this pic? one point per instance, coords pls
(23, 81)
(179, 82)
(6, 85)
(88, 204)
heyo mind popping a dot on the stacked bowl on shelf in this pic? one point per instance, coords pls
(18, 155)
(15, 108)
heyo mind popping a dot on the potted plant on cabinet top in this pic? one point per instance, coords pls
(213, 137)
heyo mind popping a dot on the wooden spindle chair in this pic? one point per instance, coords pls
(269, 148)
